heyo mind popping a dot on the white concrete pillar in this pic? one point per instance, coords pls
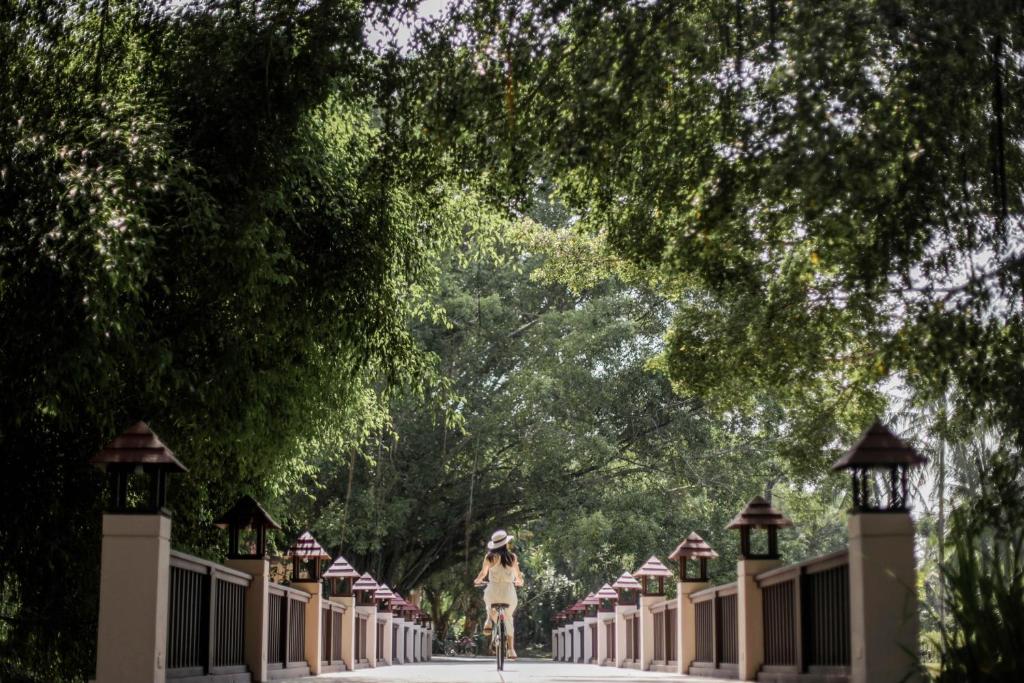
(621, 612)
(750, 616)
(646, 645)
(400, 655)
(577, 641)
(314, 623)
(348, 630)
(384, 619)
(883, 598)
(135, 568)
(256, 618)
(370, 612)
(604, 620)
(589, 645)
(686, 623)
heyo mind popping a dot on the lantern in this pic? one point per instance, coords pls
(340, 575)
(138, 452)
(694, 548)
(247, 515)
(879, 450)
(383, 597)
(628, 589)
(758, 514)
(590, 605)
(306, 555)
(364, 590)
(607, 597)
(652, 569)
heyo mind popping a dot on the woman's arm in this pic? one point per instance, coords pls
(483, 573)
(518, 572)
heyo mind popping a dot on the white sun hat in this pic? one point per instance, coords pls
(498, 539)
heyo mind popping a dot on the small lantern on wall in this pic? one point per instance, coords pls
(693, 548)
(879, 450)
(577, 611)
(383, 597)
(246, 515)
(137, 451)
(653, 571)
(306, 556)
(590, 605)
(628, 589)
(340, 576)
(364, 589)
(758, 514)
(607, 597)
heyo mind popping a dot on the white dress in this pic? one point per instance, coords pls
(501, 587)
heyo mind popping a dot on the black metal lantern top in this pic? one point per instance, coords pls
(246, 513)
(341, 574)
(879, 449)
(759, 514)
(693, 547)
(138, 451)
(607, 598)
(306, 553)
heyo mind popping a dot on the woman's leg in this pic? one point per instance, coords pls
(510, 631)
(492, 614)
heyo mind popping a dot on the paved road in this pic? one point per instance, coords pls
(480, 670)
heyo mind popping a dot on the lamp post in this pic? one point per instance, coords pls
(883, 576)
(606, 599)
(131, 639)
(757, 515)
(693, 548)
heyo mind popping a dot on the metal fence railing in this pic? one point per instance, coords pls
(206, 617)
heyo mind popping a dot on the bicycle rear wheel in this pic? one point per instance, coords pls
(499, 633)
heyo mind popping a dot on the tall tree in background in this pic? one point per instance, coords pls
(210, 220)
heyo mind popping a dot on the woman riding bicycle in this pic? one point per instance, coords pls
(501, 569)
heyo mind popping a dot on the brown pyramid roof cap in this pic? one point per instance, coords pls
(138, 445)
(607, 593)
(626, 582)
(590, 600)
(307, 547)
(653, 567)
(341, 569)
(692, 546)
(879, 447)
(760, 515)
(383, 593)
(365, 583)
(246, 512)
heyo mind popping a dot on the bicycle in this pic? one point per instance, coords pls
(498, 631)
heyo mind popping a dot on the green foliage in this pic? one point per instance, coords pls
(210, 221)
(825, 210)
(984, 584)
